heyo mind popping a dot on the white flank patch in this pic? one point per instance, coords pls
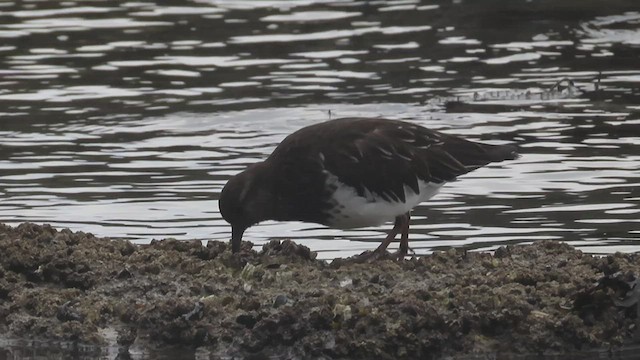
(371, 210)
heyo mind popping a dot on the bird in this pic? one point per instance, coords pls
(352, 173)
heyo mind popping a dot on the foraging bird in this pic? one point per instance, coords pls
(350, 173)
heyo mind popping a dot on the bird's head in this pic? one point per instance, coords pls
(246, 199)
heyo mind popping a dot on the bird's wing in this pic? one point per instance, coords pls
(385, 157)
(378, 156)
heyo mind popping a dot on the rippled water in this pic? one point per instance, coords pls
(125, 119)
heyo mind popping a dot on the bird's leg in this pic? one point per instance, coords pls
(381, 250)
(404, 237)
(391, 236)
(401, 224)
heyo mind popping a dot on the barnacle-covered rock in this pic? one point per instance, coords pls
(72, 286)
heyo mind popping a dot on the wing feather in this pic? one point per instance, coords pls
(382, 157)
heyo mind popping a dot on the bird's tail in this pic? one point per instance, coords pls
(474, 154)
(501, 152)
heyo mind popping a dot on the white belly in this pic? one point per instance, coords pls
(354, 211)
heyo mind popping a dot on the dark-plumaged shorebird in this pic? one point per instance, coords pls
(351, 173)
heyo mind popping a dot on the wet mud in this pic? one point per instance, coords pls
(280, 302)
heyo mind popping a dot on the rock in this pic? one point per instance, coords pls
(530, 299)
(280, 300)
(66, 312)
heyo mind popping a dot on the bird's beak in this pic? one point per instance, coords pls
(236, 237)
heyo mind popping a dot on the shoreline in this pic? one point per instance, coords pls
(542, 298)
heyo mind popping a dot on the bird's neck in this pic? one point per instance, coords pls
(275, 202)
(265, 198)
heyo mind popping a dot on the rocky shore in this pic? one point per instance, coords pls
(282, 303)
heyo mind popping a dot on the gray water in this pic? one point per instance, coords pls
(125, 119)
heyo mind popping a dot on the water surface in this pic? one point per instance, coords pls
(125, 119)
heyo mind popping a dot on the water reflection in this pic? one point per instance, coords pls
(126, 119)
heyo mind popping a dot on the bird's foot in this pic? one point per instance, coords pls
(401, 254)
